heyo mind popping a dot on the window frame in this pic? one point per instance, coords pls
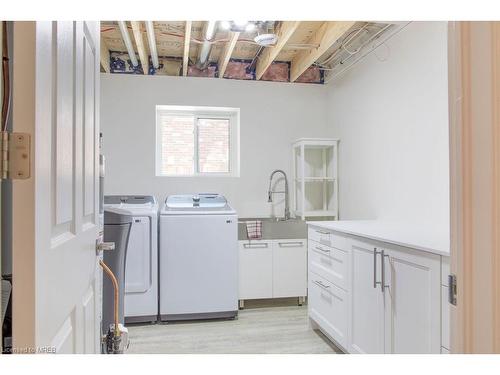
(231, 114)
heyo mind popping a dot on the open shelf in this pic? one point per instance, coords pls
(315, 176)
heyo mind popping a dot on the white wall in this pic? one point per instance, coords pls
(272, 116)
(392, 119)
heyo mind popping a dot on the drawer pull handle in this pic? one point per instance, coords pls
(322, 232)
(255, 245)
(321, 284)
(323, 250)
(290, 244)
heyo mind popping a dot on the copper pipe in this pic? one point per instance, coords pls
(115, 286)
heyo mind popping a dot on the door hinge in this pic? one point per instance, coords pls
(452, 289)
(15, 152)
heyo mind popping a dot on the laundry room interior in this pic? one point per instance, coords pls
(276, 177)
(255, 187)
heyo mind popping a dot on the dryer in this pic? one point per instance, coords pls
(141, 268)
(198, 258)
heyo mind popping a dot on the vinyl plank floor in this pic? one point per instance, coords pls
(262, 327)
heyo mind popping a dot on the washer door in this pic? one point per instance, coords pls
(138, 263)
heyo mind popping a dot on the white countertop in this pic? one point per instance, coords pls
(414, 235)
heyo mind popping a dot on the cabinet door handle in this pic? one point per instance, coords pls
(255, 245)
(375, 253)
(291, 244)
(323, 250)
(321, 284)
(382, 283)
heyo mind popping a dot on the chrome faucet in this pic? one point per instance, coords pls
(270, 192)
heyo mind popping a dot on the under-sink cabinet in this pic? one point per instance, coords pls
(374, 297)
(272, 269)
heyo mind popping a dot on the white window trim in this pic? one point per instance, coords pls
(233, 114)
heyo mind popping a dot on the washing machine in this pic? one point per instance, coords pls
(141, 268)
(198, 258)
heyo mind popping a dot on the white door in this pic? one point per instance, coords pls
(413, 309)
(57, 280)
(367, 300)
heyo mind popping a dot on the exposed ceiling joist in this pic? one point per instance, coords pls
(324, 37)
(226, 53)
(286, 30)
(187, 39)
(141, 49)
(105, 56)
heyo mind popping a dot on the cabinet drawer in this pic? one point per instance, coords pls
(330, 263)
(328, 307)
(327, 237)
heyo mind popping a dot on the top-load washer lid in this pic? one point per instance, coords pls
(197, 203)
(143, 205)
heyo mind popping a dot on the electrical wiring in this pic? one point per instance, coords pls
(347, 39)
(374, 48)
(346, 42)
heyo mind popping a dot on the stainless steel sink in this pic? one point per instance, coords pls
(275, 229)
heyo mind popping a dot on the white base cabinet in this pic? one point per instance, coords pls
(367, 302)
(413, 301)
(272, 269)
(379, 297)
(255, 269)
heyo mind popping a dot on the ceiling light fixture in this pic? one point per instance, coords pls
(250, 27)
(225, 25)
(266, 40)
(239, 26)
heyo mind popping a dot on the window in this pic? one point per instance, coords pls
(197, 141)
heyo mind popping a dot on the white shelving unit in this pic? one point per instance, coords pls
(315, 184)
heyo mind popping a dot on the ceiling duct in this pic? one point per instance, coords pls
(128, 43)
(152, 43)
(206, 47)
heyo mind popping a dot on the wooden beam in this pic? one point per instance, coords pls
(226, 53)
(105, 56)
(284, 33)
(141, 49)
(328, 33)
(187, 40)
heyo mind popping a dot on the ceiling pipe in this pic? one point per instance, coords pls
(128, 43)
(206, 47)
(152, 43)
